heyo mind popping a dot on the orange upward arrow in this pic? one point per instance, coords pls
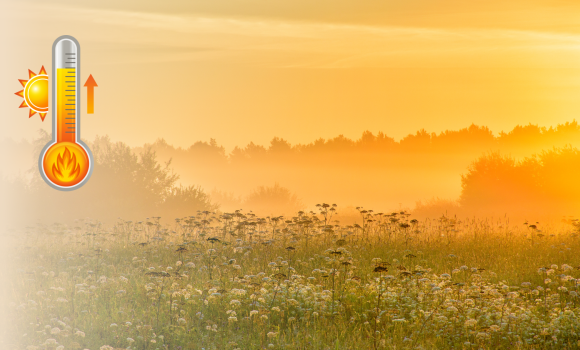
(90, 84)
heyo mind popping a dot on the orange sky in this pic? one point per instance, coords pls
(249, 70)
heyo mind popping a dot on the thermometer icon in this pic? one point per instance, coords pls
(66, 163)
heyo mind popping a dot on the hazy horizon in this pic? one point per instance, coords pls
(247, 71)
(422, 171)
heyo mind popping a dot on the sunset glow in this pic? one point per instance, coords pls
(251, 70)
(291, 174)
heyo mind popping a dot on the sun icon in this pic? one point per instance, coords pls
(35, 93)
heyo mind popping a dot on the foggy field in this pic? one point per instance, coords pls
(448, 274)
(237, 281)
(444, 136)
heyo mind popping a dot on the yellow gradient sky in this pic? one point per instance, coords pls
(249, 70)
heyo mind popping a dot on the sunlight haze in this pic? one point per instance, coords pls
(246, 71)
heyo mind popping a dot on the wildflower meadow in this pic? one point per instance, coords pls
(239, 281)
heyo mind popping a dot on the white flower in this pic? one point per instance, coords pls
(470, 323)
(238, 291)
(55, 330)
(512, 295)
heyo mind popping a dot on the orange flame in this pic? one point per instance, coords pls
(66, 164)
(66, 168)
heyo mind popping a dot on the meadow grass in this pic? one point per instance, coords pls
(238, 281)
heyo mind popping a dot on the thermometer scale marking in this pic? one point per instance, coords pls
(66, 104)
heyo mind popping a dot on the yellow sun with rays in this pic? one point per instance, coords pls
(35, 93)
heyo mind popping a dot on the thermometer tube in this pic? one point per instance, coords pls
(66, 162)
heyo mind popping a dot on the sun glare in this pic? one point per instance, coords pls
(35, 93)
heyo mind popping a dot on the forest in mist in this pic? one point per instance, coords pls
(422, 170)
(528, 172)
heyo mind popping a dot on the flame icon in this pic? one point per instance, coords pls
(66, 168)
(65, 164)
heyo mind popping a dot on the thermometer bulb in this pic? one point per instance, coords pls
(66, 162)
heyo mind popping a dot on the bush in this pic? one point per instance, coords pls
(186, 201)
(543, 184)
(273, 200)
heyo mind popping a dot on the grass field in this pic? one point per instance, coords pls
(237, 281)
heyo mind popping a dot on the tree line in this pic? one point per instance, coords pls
(123, 184)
